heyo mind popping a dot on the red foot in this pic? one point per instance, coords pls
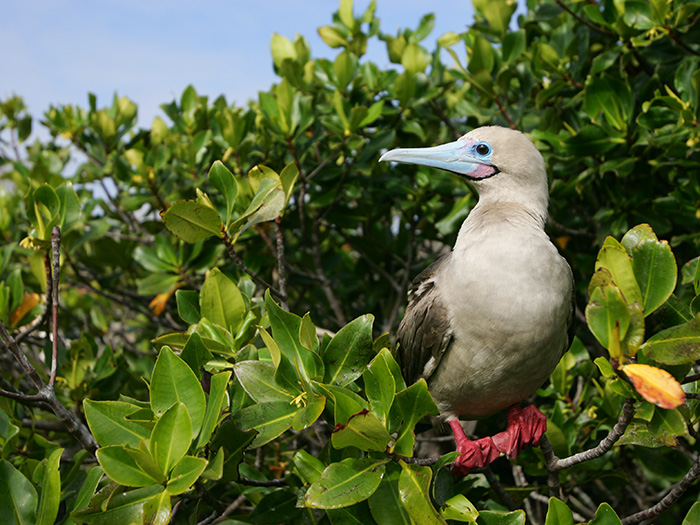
(525, 427)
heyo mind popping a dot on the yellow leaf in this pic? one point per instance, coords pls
(655, 385)
(29, 301)
(157, 305)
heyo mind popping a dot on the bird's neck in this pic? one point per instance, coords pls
(488, 220)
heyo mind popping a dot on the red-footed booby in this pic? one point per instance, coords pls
(487, 324)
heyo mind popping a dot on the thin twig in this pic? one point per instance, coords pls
(234, 256)
(498, 489)
(604, 446)
(669, 499)
(414, 461)
(281, 271)
(55, 259)
(583, 20)
(325, 282)
(282, 482)
(231, 508)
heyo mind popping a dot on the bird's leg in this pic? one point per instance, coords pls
(525, 427)
(473, 454)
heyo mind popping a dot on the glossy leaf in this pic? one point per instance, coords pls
(345, 483)
(171, 437)
(50, 496)
(216, 404)
(608, 316)
(414, 491)
(121, 467)
(184, 474)
(414, 403)
(385, 504)
(17, 496)
(270, 419)
(309, 467)
(174, 382)
(676, 345)
(221, 301)
(616, 260)
(348, 352)
(192, 221)
(558, 513)
(605, 515)
(223, 180)
(459, 508)
(109, 424)
(132, 506)
(364, 430)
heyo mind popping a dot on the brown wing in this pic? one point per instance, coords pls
(424, 334)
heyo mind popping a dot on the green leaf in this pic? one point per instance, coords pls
(345, 483)
(87, 489)
(224, 181)
(345, 14)
(344, 68)
(192, 221)
(18, 498)
(348, 352)
(119, 506)
(513, 45)
(258, 380)
(496, 12)
(613, 257)
(654, 266)
(693, 515)
(331, 36)
(605, 515)
(122, 468)
(188, 306)
(607, 316)
(285, 330)
(344, 402)
(385, 505)
(215, 406)
(196, 354)
(364, 430)
(558, 513)
(676, 345)
(667, 425)
(184, 474)
(480, 53)
(380, 387)
(288, 177)
(414, 59)
(497, 517)
(221, 301)
(459, 508)
(171, 437)
(50, 496)
(414, 491)
(108, 423)
(309, 467)
(310, 411)
(267, 204)
(173, 381)
(269, 419)
(611, 96)
(282, 49)
(278, 506)
(414, 403)
(70, 206)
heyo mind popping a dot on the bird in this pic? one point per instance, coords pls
(487, 323)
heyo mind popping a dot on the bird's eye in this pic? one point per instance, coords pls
(483, 149)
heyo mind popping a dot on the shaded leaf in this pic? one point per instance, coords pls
(345, 483)
(192, 221)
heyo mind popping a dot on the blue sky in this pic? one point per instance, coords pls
(150, 50)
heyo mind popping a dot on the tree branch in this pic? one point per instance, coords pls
(669, 499)
(55, 259)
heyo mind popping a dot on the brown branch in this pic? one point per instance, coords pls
(55, 259)
(235, 257)
(281, 271)
(498, 489)
(325, 282)
(669, 499)
(262, 483)
(414, 461)
(47, 395)
(628, 410)
(504, 111)
(583, 20)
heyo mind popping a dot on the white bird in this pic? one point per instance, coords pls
(487, 324)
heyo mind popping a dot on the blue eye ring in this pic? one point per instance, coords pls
(482, 149)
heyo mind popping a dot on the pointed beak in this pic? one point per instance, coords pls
(455, 157)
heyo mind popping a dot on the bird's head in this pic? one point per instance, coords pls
(503, 164)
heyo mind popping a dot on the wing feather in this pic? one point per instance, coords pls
(424, 334)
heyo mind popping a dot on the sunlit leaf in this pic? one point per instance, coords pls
(655, 385)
